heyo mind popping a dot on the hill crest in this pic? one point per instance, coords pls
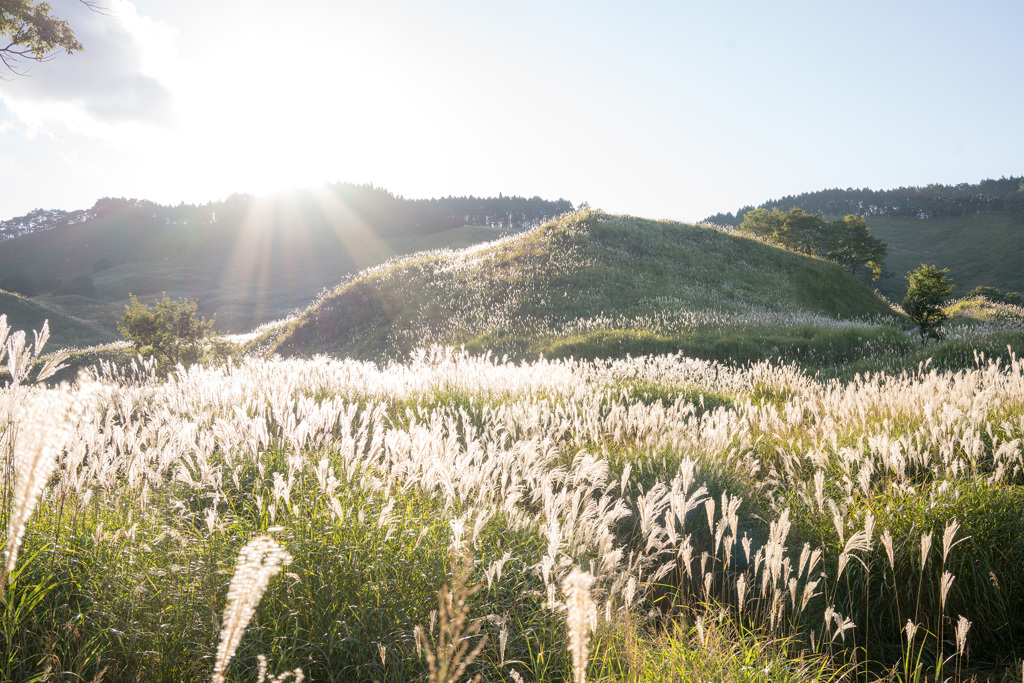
(586, 273)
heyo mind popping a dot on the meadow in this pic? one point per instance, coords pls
(745, 523)
(818, 498)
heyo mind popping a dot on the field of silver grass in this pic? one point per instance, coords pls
(874, 524)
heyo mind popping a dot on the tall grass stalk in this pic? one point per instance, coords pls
(258, 561)
(450, 655)
(581, 617)
(44, 424)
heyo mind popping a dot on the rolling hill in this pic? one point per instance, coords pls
(245, 266)
(976, 230)
(589, 284)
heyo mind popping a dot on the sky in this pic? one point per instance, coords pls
(673, 110)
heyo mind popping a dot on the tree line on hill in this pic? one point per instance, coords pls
(846, 241)
(41, 219)
(1005, 194)
(387, 213)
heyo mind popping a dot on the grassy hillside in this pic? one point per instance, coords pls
(984, 249)
(247, 270)
(65, 331)
(589, 285)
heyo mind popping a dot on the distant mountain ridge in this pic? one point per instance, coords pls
(932, 201)
(375, 204)
(975, 230)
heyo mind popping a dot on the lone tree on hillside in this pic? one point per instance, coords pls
(763, 223)
(802, 232)
(927, 290)
(171, 328)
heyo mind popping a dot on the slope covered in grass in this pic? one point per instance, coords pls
(246, 269)
(731, 518)
(984, 249)
(65, 331)
(590, 284)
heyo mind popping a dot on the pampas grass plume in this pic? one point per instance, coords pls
(581, 616)
(258, 561)
(926, 545)
(963, 625)
(944, 584)
(43, 426)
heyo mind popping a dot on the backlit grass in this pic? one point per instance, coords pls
(735, 518)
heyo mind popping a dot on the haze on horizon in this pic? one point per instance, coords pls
(663, 110)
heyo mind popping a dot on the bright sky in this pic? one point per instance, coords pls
(674, 109)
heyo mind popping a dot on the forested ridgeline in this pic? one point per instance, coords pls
(906, 202)
(384, 211)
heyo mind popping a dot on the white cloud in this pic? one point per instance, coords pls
(124, 74)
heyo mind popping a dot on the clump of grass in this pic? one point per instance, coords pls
(707, 645)
(450, 655)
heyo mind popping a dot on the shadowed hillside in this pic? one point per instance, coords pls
(985, 249)
(65, 331)
(588, 284)
(247, 260)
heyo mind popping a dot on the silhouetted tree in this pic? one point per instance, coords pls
(926, 292)
(33, 34)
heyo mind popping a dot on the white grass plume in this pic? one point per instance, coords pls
(258, 561)
(886, 539)
(944, 585)
(926, 546)
(448, 660)
(581, 615)
(44, 424)
(947, 538)
(963, 625)
(263, 677)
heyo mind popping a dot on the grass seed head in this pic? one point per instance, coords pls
(44, 425)
(581, 616)
(258, 561)
(962, 627)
